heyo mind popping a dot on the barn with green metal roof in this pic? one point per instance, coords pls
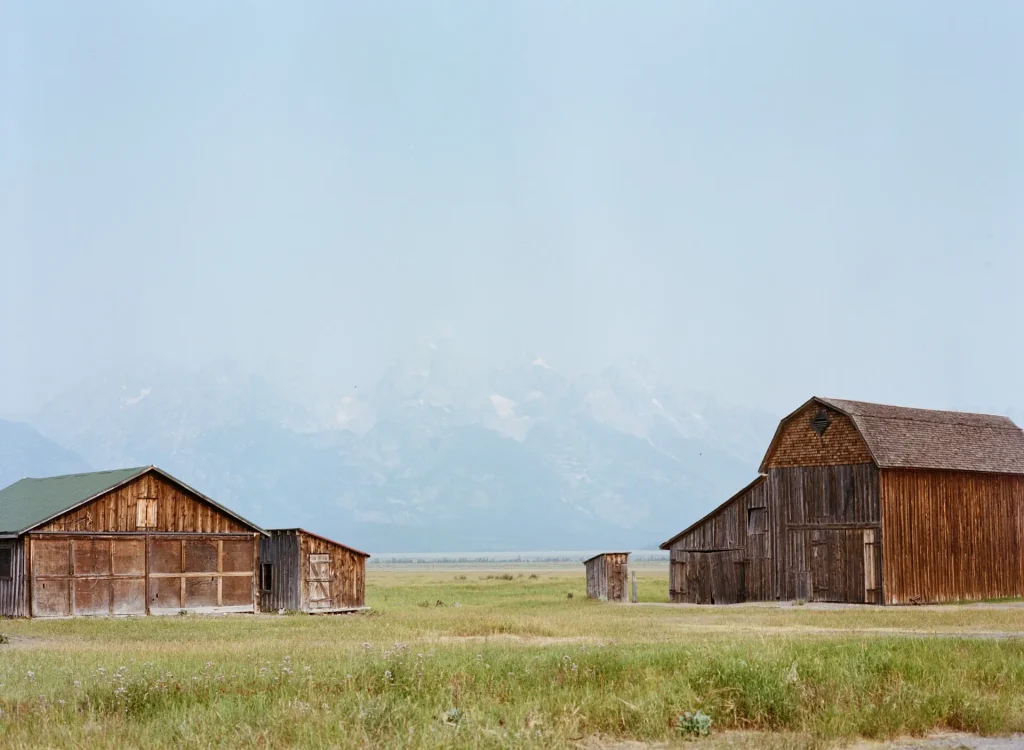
(124, 542)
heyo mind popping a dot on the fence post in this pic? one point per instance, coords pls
(633, 575)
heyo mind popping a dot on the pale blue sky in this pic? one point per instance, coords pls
(772, 199)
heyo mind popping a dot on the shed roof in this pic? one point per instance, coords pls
(602, 554)
(31, 502)
(299, 530)
(903, 438)
(760, 478)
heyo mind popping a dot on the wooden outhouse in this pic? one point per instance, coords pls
(305, 572)
(126, 542)
(608, 576)
(860, 502)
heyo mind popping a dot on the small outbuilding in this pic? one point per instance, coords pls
(305, 572)
(608, 576)
(125, 542)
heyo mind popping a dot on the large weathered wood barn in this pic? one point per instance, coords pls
(126, 542)
(608, 576)
(861, 502)
(305, 572)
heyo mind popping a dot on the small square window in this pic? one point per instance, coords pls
(757, 520)
(145, 517)
(266, 576)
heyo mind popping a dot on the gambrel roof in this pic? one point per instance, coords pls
(903, 438)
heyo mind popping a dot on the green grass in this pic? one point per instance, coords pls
(516, 664)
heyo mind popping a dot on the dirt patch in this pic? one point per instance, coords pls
(21, 642)
(947, 741)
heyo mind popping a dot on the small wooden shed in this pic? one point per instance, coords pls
(608, 576)
(306, 572)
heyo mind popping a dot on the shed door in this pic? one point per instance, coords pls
(319, 579)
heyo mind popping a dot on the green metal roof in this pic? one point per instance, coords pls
(31, 502)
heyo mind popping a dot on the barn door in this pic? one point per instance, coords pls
(844, 566)
(319, 580)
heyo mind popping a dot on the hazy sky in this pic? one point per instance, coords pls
(773, 199)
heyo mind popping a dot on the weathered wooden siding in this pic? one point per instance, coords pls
(75, 573)
(12, 588)
(118, 510)
(951, 536)
(703, 560)
(833, 565)
(347, 575)
(798, 444)
(826, 495)
(709, 577)
(281, 550)
(808, 532)
(608, 577)
(815, 515)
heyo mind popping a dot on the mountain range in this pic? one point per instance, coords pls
(439, 454)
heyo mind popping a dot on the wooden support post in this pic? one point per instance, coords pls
(633, 577)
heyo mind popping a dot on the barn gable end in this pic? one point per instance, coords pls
(150, 502)
(816, 435)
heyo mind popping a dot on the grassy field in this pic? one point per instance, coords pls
(511, 663)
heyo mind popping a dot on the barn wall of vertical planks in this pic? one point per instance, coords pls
(866, 503)
(952, 536)
(13, 602)
(724, 557)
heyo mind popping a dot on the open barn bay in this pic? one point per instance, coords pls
(505, 658)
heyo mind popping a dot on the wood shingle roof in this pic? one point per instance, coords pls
(903, 438)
